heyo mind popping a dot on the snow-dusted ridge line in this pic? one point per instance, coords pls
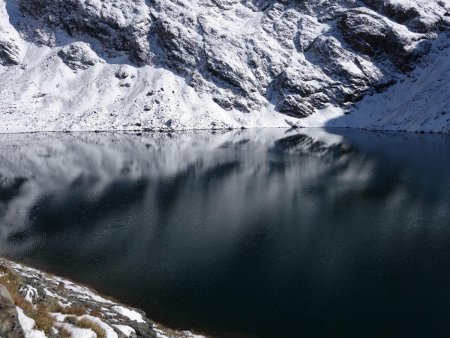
(85, 65)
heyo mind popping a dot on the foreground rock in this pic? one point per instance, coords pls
(9, 319)
(36, 304)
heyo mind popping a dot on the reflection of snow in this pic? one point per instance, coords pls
(50, 165)
(187, 194)
(94, 171)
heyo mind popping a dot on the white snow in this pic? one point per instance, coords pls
(110, 333)
(83, 292)
(418, 102)
(160, 333)
(59, 317)
(77, 332)
(31, 293)
(28, 325)
(44, 94)
(321, 119)
(131, 314)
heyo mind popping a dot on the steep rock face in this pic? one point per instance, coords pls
(368, 33)
(419, 16)
(246, 57)
(117, 25)
(11, 48)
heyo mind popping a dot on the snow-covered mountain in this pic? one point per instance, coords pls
(151, 64)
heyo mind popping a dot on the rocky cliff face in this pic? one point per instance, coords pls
(90, 64)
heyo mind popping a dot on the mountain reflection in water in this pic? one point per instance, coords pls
(261, 233)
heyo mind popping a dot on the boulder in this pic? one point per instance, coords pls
(78, 56)
(9, 323)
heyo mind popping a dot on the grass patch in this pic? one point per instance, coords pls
(10, 280)
(53, 307)
(75, 310)
(43, 320)
(96, 313)
(39, 314)
(63, 333)
(85, 323)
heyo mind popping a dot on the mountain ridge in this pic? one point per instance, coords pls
(158, 64)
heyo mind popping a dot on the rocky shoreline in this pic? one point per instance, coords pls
(34, 304)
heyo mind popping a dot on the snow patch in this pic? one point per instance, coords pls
(418, 102)
(78, 332)
(110, 333)
(28, 325)
(131, 314)
(31, 293)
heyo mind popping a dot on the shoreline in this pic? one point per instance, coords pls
(186, 130)
(44, 305)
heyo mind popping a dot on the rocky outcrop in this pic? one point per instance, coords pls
(78, 56)
(371, 35)
(419, 16)
(118, 25)
(9, 53)
(11, 46)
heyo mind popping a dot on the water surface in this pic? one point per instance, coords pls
(257, 233)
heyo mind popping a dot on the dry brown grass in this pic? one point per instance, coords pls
(75, 310)
(39, 314)
(63, 333)
(97, 313)
(10, 280)
(43, 320)
(85, 323)
(54, 307)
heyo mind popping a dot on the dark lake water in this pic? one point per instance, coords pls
(257, 233)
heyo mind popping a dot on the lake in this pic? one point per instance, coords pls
(252, 233)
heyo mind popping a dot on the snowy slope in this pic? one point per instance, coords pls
(160, 64)
(420, 102)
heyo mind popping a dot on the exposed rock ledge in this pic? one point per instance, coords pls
(34, 304)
